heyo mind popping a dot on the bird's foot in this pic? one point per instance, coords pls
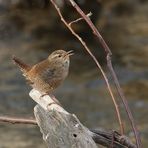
(43, 95)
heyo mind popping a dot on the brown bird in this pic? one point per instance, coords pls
(48, 74)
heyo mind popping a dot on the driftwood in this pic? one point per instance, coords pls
(61, 129)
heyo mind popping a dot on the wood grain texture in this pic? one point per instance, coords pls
(62, 130)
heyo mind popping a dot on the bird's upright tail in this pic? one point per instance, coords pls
(24, 67)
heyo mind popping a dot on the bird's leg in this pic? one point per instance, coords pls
(55, 100)
(52, 97)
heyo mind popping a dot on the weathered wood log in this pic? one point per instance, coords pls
(61, 129)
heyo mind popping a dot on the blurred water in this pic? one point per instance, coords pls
(84, 92)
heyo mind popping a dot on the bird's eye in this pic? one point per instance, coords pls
(59, 55)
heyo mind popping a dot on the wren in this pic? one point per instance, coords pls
(48, 74)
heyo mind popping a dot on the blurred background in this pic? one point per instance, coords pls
(31, 30)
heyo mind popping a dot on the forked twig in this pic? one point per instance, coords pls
(79, 19)
(109, 63)
(94, 58)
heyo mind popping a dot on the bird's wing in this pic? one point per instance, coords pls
(41, 70)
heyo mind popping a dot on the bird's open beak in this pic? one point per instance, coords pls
(69, 53)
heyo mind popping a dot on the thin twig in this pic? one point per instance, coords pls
(112, 139)
(109, 63)
(79, 19)
(17, 120)
(96, 61)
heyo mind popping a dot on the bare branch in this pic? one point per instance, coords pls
(109, 63)
(17, 120)
(96, 61)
